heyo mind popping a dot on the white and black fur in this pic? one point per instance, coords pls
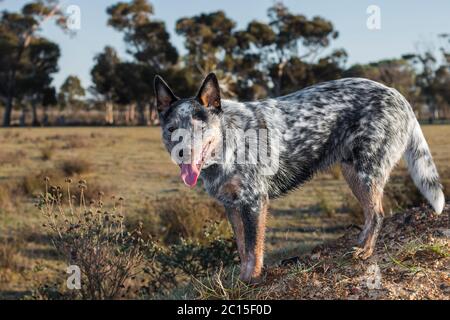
(361, 124)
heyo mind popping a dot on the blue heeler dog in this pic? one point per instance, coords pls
(362, 125)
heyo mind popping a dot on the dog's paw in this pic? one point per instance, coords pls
(362, 253)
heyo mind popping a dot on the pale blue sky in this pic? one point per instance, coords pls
(404, 23)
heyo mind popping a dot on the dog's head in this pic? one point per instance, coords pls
(190, 127)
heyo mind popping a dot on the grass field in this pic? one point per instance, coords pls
(131, 162)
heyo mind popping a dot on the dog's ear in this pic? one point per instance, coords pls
(209, 93)
(164, 95)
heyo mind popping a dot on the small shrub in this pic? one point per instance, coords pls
(185, 217)
(188, 260)
(325, 204)
(74, 141)
(401, 193)
(95, 240)
(6, 196)
(33, 185)
(72, 167)
(11, 261)
(9, 252)
(47, 152)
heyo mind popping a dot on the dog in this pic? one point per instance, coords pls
(360, 124)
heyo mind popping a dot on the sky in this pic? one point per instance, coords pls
(404, 25)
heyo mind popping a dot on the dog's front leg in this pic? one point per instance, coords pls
(235, 218)
(254, 222)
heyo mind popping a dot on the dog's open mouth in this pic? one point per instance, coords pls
(191, 171)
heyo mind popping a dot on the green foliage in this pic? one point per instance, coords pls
(27, 60)
(71, 92)
(147, 39)
(187, 260)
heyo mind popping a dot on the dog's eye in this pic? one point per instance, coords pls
(171, 129)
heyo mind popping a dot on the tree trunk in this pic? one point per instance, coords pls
(279, 78)
(154, 120)
(23, 117)
(130, 113)
(109, 113)
(8, 111)
(35, 121)
(141, 111)
(45, 118)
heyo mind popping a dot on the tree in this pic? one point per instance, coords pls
(105, 79)
(289, 40)
(433, 79)
(209, 40)
(147, 39)
(265, 58)
(135, 86)
(396, 73)
(148, 42)
(17, 32)
(41, 63)
(71, 93)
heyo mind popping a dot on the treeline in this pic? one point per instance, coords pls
(283, 54)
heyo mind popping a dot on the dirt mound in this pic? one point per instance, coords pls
(411, 261)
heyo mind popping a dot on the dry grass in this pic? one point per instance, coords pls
(224, 284)
(10, 253)
(325, 204)
(47, 152)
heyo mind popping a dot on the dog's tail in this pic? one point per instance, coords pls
(423, 170)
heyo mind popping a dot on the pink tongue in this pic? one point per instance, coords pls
(189, 174)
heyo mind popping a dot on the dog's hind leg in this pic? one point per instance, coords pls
(369, 193)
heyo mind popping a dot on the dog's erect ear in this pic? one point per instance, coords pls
(209, 93)
(164, 96)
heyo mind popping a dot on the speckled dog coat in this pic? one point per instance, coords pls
(364, 126)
